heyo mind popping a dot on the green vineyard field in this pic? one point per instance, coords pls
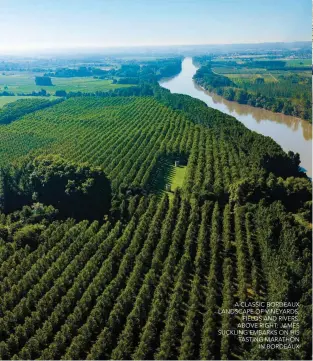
(148, 279)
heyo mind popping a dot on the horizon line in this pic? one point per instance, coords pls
(123, 46)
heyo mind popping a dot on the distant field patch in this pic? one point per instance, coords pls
(23, 82)
(6, 100)
(10, 99)
(238, 70)
(268, 78)
(298, 62)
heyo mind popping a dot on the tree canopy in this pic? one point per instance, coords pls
(76, 190)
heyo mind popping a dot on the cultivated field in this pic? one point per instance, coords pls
(24, 82)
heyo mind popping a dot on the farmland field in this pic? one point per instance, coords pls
(299, 62)
(9, 99)
(23, 82)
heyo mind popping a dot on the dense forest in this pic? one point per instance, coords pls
(289, 94)
(98, 261)
(43, 81)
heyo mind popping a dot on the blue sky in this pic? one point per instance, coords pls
(32, 24)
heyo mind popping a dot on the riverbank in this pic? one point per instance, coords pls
(262, 113)
(212, 93)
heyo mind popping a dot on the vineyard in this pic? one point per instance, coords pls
(148, 279)
(126, 136)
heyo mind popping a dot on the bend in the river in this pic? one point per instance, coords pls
(289, 132)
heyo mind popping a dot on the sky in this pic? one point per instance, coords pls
(59, 24)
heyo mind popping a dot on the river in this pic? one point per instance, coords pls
(289, 132)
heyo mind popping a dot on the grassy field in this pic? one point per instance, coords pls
(176, 180)
(236, 70)
(298, 62)
(268, 77)
(168, 174)
(178, 176)
(6, 100)
(23, 82)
